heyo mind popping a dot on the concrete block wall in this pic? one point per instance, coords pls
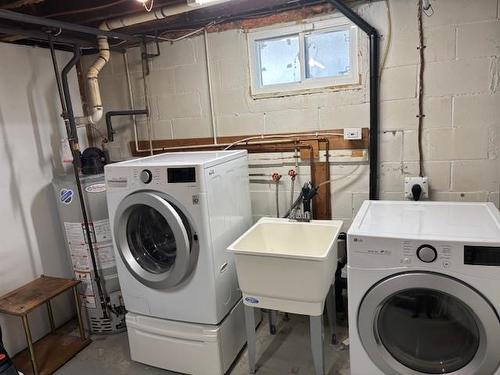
(461, 103)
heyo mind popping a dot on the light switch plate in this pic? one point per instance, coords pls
(353, 133)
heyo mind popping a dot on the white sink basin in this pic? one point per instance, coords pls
(286, 265)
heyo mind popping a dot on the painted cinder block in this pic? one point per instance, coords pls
(457, 77)
(241, 124)
(399, 83)
(440, 43)
(476, 111)
(352, 116)
(179, 53)
(452, 12)
(475, 175)
(291, 121)
(187, 126)
(457, 143)
(478, 39)
(179, 106)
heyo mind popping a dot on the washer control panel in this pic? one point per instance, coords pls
(427, 253)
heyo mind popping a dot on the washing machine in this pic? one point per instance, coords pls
(423, 288)
(172, 217)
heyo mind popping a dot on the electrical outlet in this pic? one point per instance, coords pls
(412, 190)
(353, 133)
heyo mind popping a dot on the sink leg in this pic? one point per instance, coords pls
(316, 324)
(251, 339)
(273, 321)
(331, 311)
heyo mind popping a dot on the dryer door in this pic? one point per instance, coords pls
(427, 323)
(155, 240)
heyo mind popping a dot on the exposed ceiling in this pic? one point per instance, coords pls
(94, 12)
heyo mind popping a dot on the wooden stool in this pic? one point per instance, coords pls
(55, 349)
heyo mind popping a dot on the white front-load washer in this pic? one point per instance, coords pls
(173, 216)
(423, 288)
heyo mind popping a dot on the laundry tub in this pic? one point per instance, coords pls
(287, 265)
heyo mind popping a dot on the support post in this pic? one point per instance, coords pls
(251, 337)
(316, 324)
(79, 313)
(29, 340)
(51, 316)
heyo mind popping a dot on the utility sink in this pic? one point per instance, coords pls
(287, 265)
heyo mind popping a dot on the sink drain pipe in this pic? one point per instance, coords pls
(374, 37)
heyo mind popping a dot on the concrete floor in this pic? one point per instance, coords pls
(288, 352)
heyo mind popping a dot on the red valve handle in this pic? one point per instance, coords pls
(276, 177)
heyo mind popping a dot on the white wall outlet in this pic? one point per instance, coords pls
(353, 133)
(412, 190)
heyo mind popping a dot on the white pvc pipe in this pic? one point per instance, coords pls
(210, 89)
(95, 102)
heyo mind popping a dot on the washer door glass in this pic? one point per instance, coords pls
(417, 323)
(151, 239)
(155, 239)
(440, 332)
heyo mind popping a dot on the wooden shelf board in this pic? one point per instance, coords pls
(51, 352)
(24, 299)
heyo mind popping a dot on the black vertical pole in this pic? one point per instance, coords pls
(374, 89)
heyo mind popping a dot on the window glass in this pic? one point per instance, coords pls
(428, 331)
(279, 60)
(327, 54)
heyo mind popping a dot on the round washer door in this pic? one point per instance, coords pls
(426, 323)
(154, 239)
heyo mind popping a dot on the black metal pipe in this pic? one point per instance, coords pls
(69, 115)
(56, 72)
(42, 36)
(129, 112)
(40, 21)
(374, 37)
(73, 141)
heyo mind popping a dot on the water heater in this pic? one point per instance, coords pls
(94, 190)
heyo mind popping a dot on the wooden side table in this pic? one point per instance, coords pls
(46, 355)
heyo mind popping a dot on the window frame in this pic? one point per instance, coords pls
(305, 84)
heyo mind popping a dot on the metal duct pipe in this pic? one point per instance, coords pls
(373, 36)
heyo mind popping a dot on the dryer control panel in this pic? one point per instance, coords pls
(437, 254)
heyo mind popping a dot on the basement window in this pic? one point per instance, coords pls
(301, 58)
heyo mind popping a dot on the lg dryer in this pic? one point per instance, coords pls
(423, 288)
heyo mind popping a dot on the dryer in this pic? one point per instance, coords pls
(423, 288)
(173, 216)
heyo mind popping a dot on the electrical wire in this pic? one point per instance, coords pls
(338, 178)
(262, 136)
(421, 56)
